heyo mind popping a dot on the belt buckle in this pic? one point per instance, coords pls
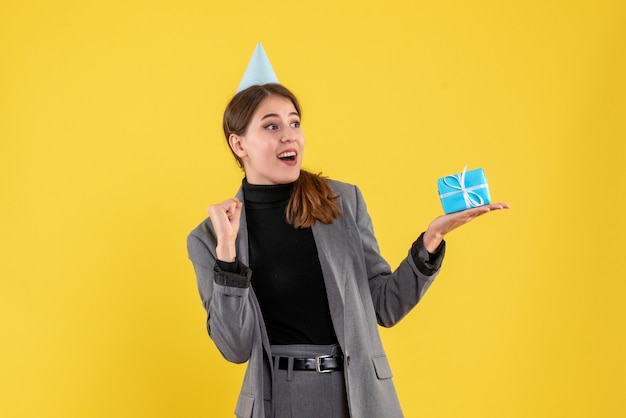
(318, 364)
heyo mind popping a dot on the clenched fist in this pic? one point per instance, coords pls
(225, 219)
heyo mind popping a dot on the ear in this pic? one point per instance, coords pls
(236, 144)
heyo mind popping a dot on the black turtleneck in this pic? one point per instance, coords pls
(286, 273)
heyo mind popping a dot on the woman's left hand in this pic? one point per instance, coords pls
(444, 224)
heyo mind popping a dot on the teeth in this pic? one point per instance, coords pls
(287, 154)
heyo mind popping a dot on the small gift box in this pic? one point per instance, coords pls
(465, 190)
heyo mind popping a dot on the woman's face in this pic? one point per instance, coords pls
(272, 147)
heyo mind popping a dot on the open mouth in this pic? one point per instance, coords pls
(287, 156)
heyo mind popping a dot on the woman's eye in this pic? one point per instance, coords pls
(271, 127)
(295, 124)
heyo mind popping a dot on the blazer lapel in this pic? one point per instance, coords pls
(330, 247)
(242, 236)
(243, 253)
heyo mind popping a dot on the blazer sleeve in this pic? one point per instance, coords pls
(394, 293)
(231, 317)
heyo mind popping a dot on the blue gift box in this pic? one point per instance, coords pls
(468, 189)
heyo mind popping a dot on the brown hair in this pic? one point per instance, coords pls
(312, 198)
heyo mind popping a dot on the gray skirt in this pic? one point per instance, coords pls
(306, 393)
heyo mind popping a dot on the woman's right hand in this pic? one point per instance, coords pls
(225, 219)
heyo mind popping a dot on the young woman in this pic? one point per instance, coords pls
(291, 276)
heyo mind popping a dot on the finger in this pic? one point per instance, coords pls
(499, 205)
(480, 210)
(224, 206)
(232, 206)
(474, 212)
(234, 212)
(236, 205)
(236, 215)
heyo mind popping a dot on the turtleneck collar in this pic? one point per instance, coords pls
(266, 194)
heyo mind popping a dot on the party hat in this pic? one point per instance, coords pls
(259, 70)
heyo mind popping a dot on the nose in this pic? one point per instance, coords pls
(289, 136)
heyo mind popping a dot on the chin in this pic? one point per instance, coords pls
(290, 177)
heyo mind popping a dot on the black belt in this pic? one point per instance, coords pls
(320, 364)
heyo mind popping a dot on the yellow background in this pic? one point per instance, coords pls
(110, 149)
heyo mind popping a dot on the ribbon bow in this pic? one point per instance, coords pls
(472, 199)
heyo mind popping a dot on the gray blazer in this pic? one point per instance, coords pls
(363, 293)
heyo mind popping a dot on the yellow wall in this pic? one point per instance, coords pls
(110, 149)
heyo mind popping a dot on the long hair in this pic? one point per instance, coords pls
(312, 198)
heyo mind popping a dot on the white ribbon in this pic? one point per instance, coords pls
(468, 192)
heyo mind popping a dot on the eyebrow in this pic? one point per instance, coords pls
(270, 115)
